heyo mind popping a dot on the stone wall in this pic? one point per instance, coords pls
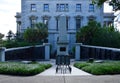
(39, 52)
(100, 53)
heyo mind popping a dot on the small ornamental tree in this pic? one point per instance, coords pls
(36, 34)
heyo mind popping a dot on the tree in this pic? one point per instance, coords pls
(86, 33)
(94, 34)
(10, 35)
(36, 34)
(1, 36)
(43, 31)
(114, 3)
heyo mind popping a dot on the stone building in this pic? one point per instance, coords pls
(109, 19)
(78, 13)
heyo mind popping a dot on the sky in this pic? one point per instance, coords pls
(8, 9)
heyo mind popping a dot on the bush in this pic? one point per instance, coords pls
(13, 44)
(106, 68)
(81, 64)
(22, 69)
(47, 66)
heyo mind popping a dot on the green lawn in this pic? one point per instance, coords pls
(21, 69)
(105, 68)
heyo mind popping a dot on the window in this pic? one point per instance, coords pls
(78, 23)
(57, 6)
(78, 7)
(57, 24)
(33, 22)
(46, 7)
(91, 18)
(91, 8)
(62, 7)
(45, 21)
(33, 7)
(67, 23)
(67, 7)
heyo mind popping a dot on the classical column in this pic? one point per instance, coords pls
(18, 26)
(47, 51)
(78, 51)
(2, 54)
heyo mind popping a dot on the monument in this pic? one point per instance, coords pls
(63, 58)
(62, 43)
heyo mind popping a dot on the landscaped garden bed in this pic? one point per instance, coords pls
(105, 68)
(22, 69)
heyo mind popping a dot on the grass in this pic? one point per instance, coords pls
(21, 69)
(105, 68)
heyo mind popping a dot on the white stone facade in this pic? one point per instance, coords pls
(78, 12)
(109, 19)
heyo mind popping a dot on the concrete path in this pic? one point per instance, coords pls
(52, 70)
(60, 79)
(75, 72)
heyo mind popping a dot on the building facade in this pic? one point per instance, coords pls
(109, 19)
(78, 13)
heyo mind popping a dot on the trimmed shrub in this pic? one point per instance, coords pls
(21, 69)
(106, 68)
(81, 64)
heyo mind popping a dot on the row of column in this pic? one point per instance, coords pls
(52, 22)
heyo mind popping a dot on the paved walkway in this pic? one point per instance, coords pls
(60, 79)
(75, 72)
(52, 70)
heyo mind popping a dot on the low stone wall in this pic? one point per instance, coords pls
(97, 52)
(39, 52)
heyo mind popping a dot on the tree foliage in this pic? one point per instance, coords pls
(114, 3)
(36, 34)
(1, 36)
(94, 34)
(10, 35)
(86, 33)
